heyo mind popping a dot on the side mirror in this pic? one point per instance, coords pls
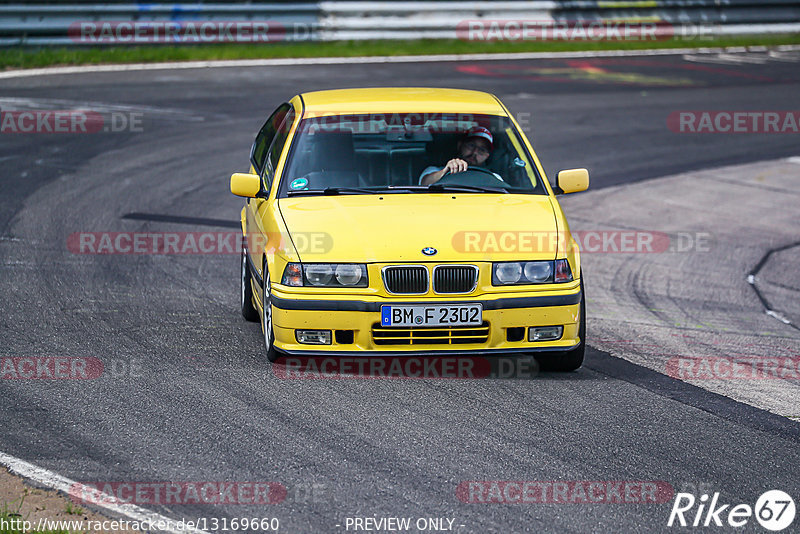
(245, 185)
(572, 181)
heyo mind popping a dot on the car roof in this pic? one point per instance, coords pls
(401, 100)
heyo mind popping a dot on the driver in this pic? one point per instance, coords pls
(473, 150)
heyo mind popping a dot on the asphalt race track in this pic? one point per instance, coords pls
(187, 394)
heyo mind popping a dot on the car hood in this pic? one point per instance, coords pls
(397, 227)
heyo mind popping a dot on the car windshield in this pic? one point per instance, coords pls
(380, 153)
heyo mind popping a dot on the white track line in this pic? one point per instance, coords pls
(282, 62)
(65, 485)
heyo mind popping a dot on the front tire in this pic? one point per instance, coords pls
(571, 359)
(266, 319)
(249, 312)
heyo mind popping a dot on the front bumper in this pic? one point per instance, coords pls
(362, 316)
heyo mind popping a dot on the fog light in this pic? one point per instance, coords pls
(545, 333)
(313, 337)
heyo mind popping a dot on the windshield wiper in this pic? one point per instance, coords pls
(356, 190)
(336, 191)
(434, 188)
(438, 188)
(465, 188)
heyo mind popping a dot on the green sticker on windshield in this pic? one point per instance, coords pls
(298, 183)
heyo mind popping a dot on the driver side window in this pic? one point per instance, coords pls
(275, 150)
(266, 135)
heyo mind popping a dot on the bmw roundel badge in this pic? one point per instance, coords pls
(429, 251)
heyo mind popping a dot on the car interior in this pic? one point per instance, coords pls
(341, 158)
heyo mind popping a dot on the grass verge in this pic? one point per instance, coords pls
(51, 511)
(11, 522)
(13, 58)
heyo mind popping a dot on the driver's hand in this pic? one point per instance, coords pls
(456, 165)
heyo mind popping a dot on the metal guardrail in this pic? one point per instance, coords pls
(59, 24)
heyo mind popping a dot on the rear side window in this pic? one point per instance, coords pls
(265, 137)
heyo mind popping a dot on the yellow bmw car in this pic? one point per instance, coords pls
(407, 221)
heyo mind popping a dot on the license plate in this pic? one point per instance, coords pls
(443, 315)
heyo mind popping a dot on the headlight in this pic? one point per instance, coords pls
(538, 271)
(507, 273)
(319, 275)
(530, 272)
(326, 275)
(348, 274)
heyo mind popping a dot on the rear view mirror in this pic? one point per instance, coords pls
(245, 185)
(572, 181)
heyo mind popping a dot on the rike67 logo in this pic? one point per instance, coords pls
(774, 510)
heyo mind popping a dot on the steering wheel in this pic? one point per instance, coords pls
(482, 170)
